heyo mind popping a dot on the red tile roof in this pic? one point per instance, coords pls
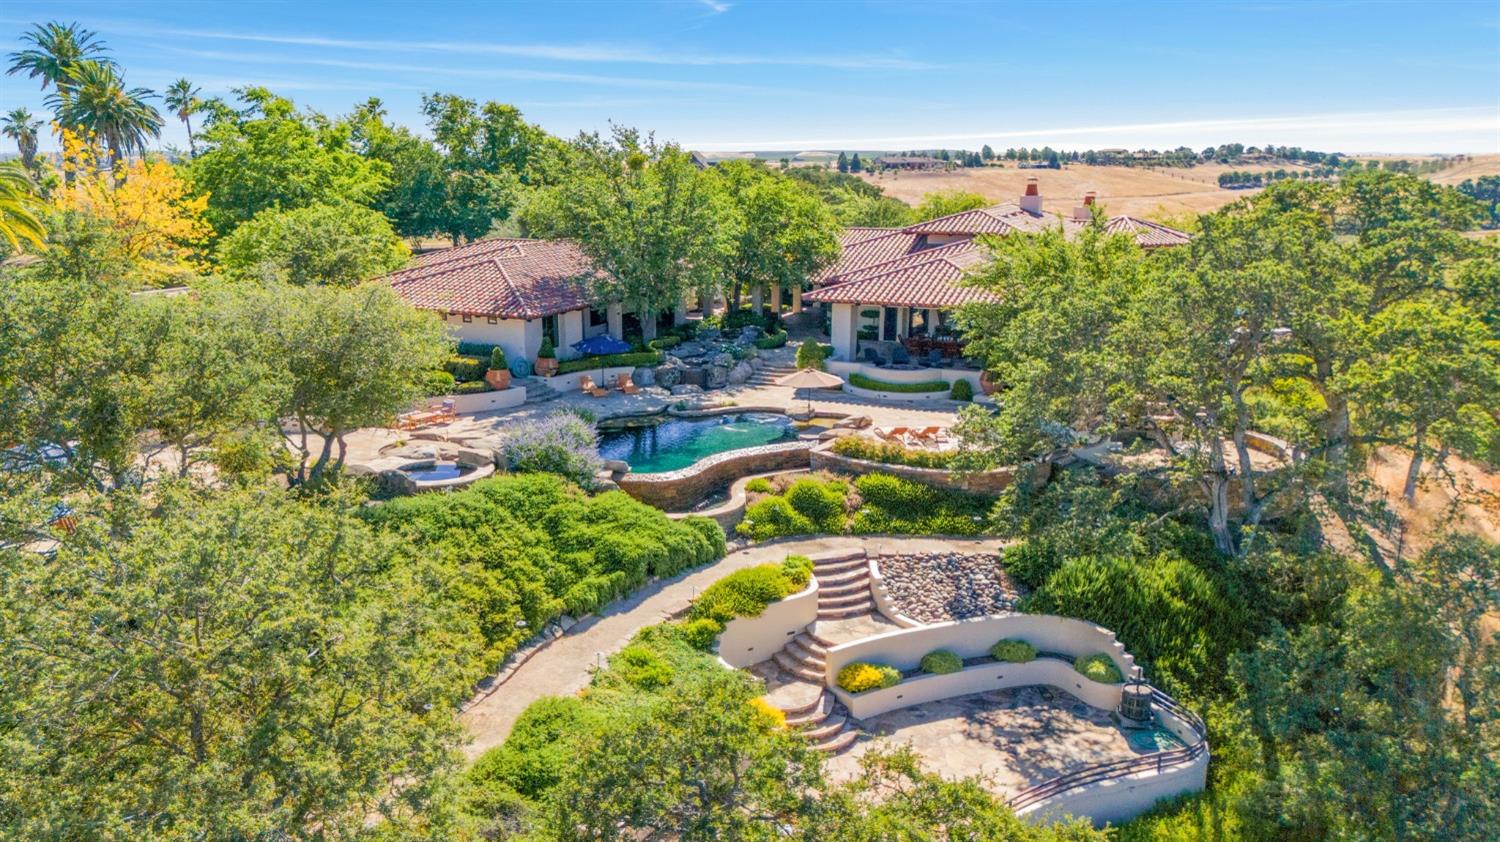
(860, 233)
(932, 283)
(505, 278)
(1148, 234)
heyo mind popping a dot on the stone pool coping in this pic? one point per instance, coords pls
(674, 491)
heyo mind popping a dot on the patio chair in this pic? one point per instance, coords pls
(626, 384)
(899, 435)
(873, 357)
(587, 385)
(931, 435)
(900, 356)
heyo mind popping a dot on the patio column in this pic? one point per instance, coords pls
(758, 299)
(614, 314)
(680, 314)
(796, 299)
(776, 298)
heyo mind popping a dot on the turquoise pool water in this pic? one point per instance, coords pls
(676, 443)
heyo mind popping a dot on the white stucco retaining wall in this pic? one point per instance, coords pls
(1052, 672)
(484, 401)
(750, 640)
(603, 377)
(883, 601)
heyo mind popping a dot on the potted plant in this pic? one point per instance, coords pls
(499, 374)
(546, 359)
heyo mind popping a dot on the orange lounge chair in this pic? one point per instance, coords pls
(895, 434)
(930, 434)
(587, 384)
(625, 384)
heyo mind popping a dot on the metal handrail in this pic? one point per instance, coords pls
(1159, 761)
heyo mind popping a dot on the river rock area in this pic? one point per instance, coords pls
(937, 587)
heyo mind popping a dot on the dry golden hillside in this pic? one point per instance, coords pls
(1138, 191)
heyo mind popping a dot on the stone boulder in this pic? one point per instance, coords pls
(667, 375)
(688, 350)
(616, 466)
(740, 373)
(686, 390)
(643, 376)
(751, 332)
(717, 377)
(708, 334)
(724, 360)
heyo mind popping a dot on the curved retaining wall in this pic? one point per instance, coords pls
(730, 512)
(675, 491)
(750, 640)
(972, 639)
(982, 482)
(883, 602)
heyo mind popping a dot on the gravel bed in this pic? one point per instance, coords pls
(935, 587)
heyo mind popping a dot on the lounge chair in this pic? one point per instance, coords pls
(899, 435)
(931, 435)
(625, 384)
(873, 357)
(587, 384)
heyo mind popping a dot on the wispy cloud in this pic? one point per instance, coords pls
(716, 6)
(1430, 121)
(587, 53)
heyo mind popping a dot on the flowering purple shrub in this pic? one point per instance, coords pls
(562, 443)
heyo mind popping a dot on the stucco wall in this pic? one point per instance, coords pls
(843, 331)
(485, 401)
(509, 334)
(883, 601)
(603, 377)
(982, 482)
(750, 640)
(1121, 799)
(1052, 672)
(675, 491)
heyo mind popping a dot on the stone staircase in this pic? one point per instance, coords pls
(768, 375)
(843, 585)
(824, 723)
(537, 390)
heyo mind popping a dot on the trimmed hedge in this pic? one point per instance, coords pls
(634, 358)
(471, 387)
(860, 381)
(891, 453)
(475, 349)
(771, 341)
(1013, 651)
(941, 662)
(819, 502)
(465, 368)
(962, 391)
(860, 677)
(1099, 667)
(662, 343)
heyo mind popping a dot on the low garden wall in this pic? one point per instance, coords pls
(972, 639)
(603, 377)
(484, 401)
(676, 491)
(979, 482)
(750, 640)
(729, 513)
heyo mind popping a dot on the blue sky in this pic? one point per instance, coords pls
(735, 74)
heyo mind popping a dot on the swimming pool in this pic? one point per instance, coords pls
(675, 443)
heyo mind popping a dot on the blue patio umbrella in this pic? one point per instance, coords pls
(601, 344)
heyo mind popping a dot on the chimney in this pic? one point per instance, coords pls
(1031, 202)
(1084, 212)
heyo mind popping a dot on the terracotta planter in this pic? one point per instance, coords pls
(498, 378)
(987, 382)
(546, 366)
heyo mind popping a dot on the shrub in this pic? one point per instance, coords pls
(893, 505)
(476, 349)
(1013, 650)
(859, 677)
(562, 444)
(711, 532)
(584, 413)
(775, 717)
(547, 351)
(941, 662)
(592, 593)
(465, 368)
(743, 593)
(662, 343)
(798, 570)
(435, 383)
(1030, 562)
(701, 634)
(861, 381)
(771, 341)
(472, 387)
(635, 358)
(891, 453)
(641, 667)
(1098, 667)
(772, 517)
(812, 355)
(538, 751)
(962, 391)
(759, 485)
(497, 359)
(821, 503)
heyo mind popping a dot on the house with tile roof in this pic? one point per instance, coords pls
(901, 285)
(510, 292)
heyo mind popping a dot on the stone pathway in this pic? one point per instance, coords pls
(562, 668)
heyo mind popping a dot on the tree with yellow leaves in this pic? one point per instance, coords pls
(160, 225)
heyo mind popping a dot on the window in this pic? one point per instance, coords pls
(549, 329)
(492, 320)
(598, 317)
(888, 324)
(918, 325)
(468, 318)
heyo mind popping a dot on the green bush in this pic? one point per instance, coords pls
(821, 503)
(1098, 667)
(894, 505)
(744, 593)
(635, 358)
(711, 532)
(771, 341)
(812, 355)
(798, 570)
(941, 662)
(472, 387)
(538, 751)
(465, 368)
(859, 677)
(861, 381)
(435, 383)
(547, 351)
(592, 593)
(759, 485)
(641, 667)
(891, 453)
(1030, 562)
(662, 343)
(1013, 650)
(962, 391)
(497, 359)
(772, 517)
(476, 349)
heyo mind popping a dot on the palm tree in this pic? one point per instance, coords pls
(182, 99)
(97, 101)
(17, 198)
(54, 49)
(20, 127)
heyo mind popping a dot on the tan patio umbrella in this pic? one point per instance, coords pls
(810, 378)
